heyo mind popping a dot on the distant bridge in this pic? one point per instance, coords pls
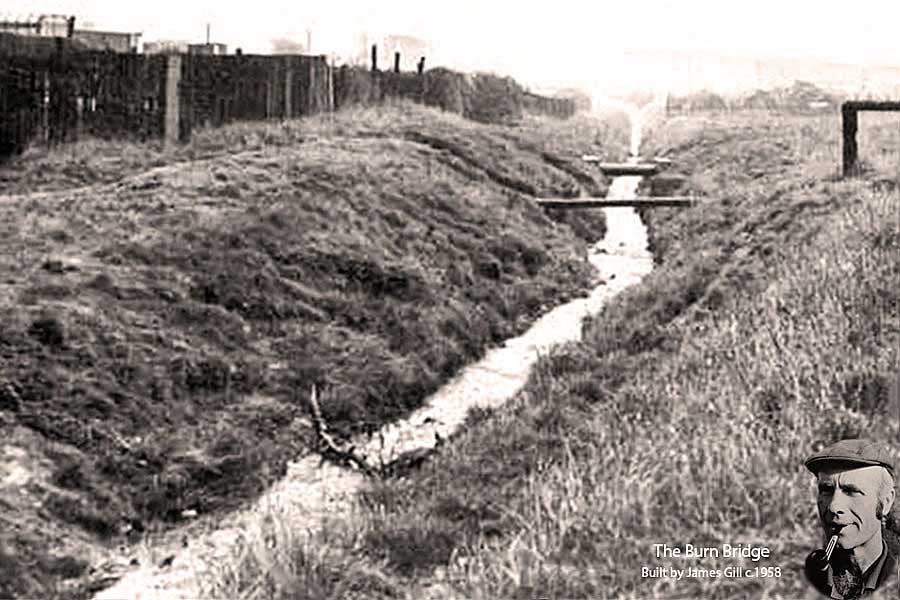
(617, 169)
(578, 203)
(643, 169)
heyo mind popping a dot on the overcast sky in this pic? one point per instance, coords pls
(554, 41)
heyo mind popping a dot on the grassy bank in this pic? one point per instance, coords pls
(771, 326)
(163, 314)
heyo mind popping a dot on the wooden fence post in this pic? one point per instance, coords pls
(330, 71)
(312, 87)
(172, 116)
(850, 149)
(45, 107)
(288, 81)
(423, 81)
(79, 116)
(374, 57)
(396, 62)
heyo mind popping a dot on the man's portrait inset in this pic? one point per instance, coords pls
(856, 490)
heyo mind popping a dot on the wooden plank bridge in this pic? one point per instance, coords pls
(644, 169)
(618, 169)
(576, 203)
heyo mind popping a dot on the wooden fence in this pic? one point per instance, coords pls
(480, 97)
(215, 90)
(52, 90)
(55, 94)
(562, 108)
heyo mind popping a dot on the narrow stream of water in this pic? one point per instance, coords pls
(312, 491)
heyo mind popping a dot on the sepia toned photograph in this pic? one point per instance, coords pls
(449, 301)
(856, 491)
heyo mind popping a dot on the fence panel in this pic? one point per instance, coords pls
(221, 89)
(55, 95)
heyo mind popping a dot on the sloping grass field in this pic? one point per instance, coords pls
(770, 327)
(164, 314)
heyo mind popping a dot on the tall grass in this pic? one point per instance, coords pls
(770, 328)
(157, 322)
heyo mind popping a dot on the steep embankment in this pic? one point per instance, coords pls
(771, 325)
(161, 324)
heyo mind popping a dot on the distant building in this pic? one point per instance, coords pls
(62, 26)
(43, 26)
(210, 49)
(19, 27)
(182, 47)
(56, 25)
(166, 47)
(108, 40)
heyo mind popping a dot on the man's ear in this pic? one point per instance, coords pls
(889, 500)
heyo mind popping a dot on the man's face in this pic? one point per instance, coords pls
(848, 501)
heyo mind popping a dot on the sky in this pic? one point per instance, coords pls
(553, 42)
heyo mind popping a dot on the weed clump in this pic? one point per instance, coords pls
(48, 330)
(412, 550)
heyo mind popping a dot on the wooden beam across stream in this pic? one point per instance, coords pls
(617, 169)
(576, 203)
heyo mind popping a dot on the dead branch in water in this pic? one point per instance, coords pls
(327, 446)
(330, 450)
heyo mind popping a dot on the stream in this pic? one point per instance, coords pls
(313, 491)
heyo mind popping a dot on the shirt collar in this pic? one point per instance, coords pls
(875, 570)
(871, 580)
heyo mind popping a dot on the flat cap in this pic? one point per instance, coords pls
(862, 453)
